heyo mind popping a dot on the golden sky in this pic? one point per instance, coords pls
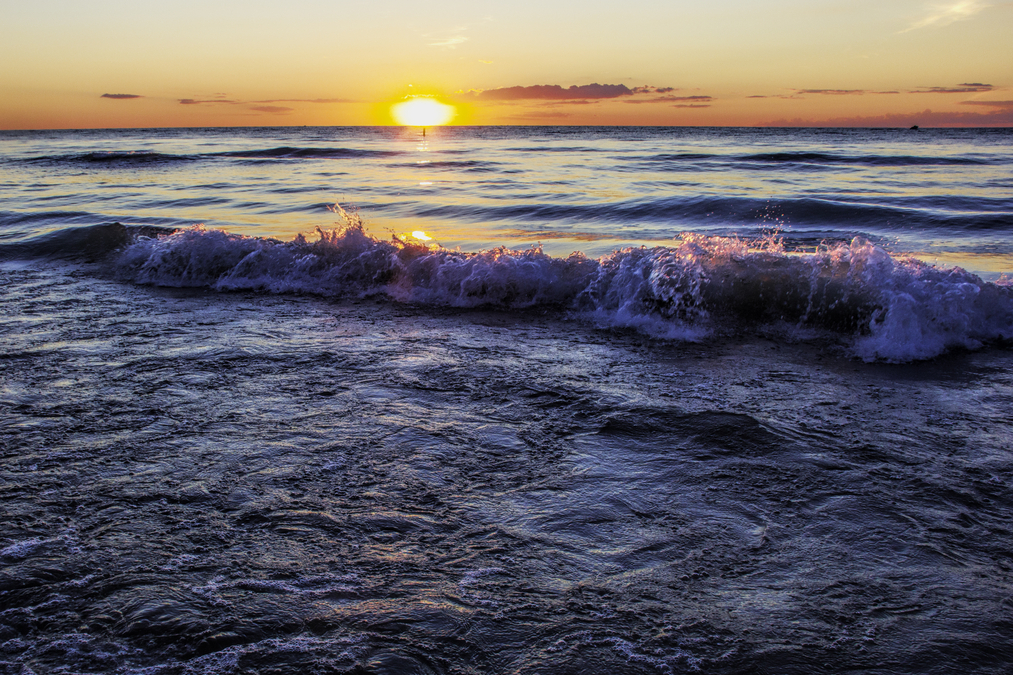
(140, 63)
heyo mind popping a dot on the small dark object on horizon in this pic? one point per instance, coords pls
(914, 128)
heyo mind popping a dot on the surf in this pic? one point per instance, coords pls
(889, 308)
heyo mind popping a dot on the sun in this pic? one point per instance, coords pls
(422, 111)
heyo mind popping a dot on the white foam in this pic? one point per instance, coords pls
(893, 309)
(22, 549)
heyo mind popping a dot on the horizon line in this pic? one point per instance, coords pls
(475, 126)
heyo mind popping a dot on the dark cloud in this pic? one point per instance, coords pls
(669, 99)
(121, 96)
(306, 100)
(833, 92)
(964, 88)
(195, 101)
(648, 89)
(554, 92)
(264, 108)
(580, 101)
(784, 96)
(692, 105)
(828, 92)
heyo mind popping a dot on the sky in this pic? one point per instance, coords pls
(142, 63)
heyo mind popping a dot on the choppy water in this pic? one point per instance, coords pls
(738, 432)
(944, 194)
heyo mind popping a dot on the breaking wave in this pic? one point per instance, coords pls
(890, 309)
(886, 308)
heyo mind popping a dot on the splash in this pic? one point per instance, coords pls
(891, 309)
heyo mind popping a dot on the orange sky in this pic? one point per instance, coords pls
(113, 63)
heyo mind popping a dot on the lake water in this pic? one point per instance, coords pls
(498, 400)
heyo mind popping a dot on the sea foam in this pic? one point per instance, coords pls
(890, 309)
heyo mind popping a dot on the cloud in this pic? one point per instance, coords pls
(554, 92)
(261, 106)
(995, 104)
(553, 95)
(944, 15)
(197, 101)
(579, 101)
(450, 43)
(648, 89)
(668, 99)
(963, 88)
(832, 92)
(306, 100)
(121, 96)
(783, 96)
(692, 105)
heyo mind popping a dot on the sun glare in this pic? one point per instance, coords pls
(422, 111)
(421, 236)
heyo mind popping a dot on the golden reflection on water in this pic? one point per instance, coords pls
(988, 266)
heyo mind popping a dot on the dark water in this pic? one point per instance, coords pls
(236, 453)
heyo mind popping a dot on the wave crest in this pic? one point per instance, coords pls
(892, 309)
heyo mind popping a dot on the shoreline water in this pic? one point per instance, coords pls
(226, 449)
(208, 482)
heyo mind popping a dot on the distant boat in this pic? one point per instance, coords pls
(914, 128)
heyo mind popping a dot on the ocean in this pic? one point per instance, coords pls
(506, 400)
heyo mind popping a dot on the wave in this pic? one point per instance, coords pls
(113, 158)
(888, 309)
(814, 158)
(89, 243)
(473, 165)
(553, 148)
(730, 210)
(14, 218)
(121, 158)
(867, 160)
(306, 153)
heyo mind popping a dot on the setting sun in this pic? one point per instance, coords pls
(422, 111)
